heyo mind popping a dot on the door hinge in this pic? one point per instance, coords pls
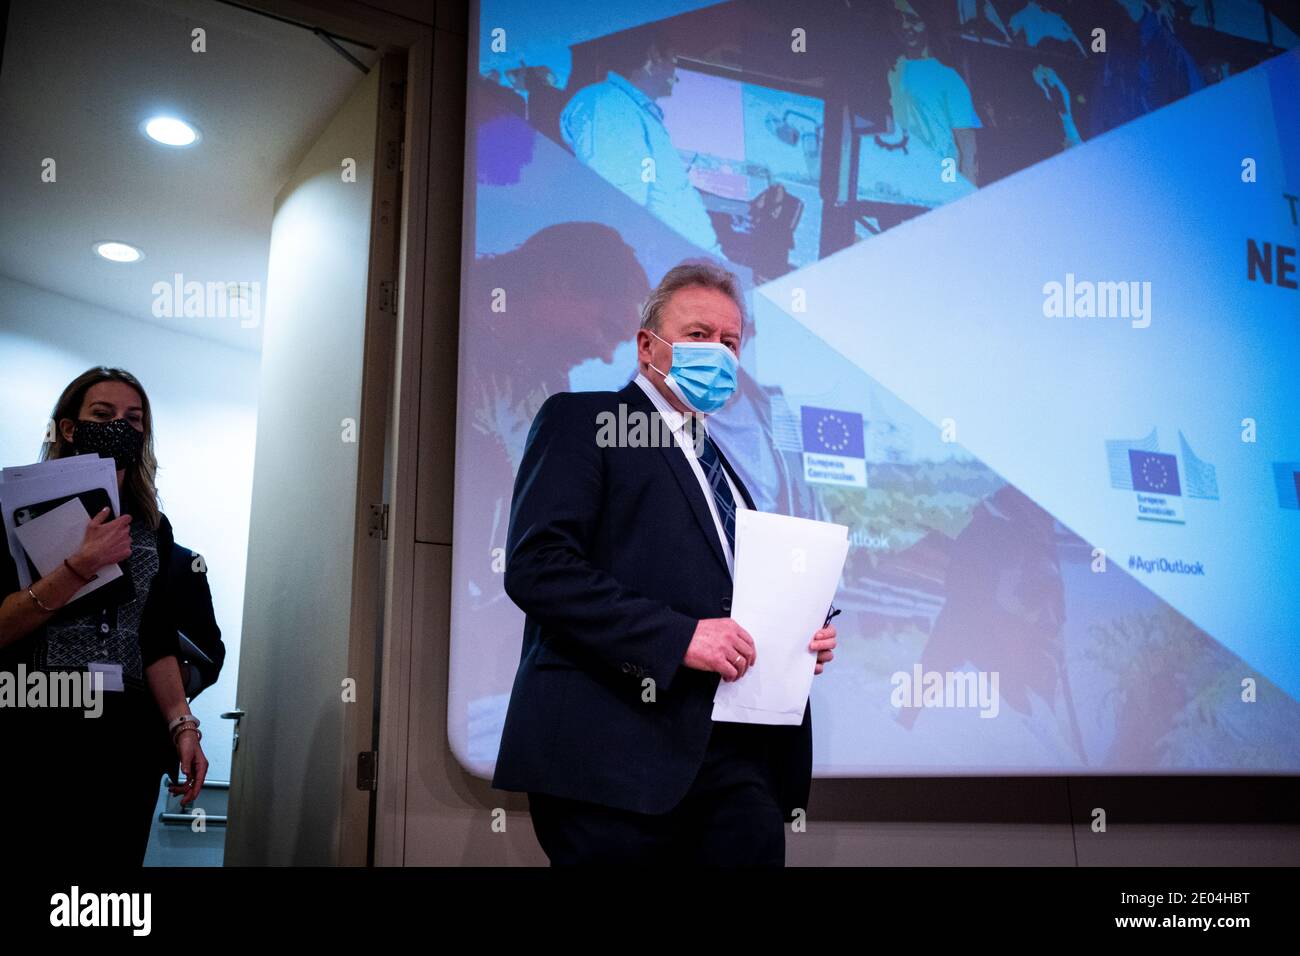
(388, 296)
(367, 766)
(377, 527)
(397, 95)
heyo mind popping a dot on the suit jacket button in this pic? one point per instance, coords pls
(627, 668)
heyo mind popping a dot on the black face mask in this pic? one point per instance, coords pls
(117, 439)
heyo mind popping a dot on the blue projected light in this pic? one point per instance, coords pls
(1015, 320)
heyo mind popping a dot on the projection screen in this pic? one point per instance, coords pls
(1024, 317)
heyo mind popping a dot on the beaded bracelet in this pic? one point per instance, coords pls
(182, 719)
(77, 574)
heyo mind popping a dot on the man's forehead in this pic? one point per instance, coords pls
(696, 304)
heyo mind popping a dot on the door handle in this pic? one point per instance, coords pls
(234, 715)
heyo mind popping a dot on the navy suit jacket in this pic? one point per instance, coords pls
(614, 557)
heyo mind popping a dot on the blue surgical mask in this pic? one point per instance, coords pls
(703, 375)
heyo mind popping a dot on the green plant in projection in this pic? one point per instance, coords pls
(904, 502)
(1176, 698)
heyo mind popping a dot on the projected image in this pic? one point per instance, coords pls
(1053, 512)
(755, 159)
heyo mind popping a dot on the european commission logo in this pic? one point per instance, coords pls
(834, 449)
(1154, 472)
(1138, 465)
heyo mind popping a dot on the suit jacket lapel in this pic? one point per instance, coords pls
(681, 469)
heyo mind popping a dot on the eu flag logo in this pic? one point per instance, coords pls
(830, 432)
(1154, 472)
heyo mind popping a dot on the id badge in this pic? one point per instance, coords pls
(112, 674)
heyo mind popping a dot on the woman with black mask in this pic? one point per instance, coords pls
(109, 764)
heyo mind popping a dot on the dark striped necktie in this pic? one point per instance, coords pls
(711, 462)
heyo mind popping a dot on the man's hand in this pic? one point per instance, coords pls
(722, 646)
(823, 643)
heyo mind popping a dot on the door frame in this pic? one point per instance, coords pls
(424, 35)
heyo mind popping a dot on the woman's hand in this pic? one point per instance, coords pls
(164, 677)
(104, 543)
(193, 764)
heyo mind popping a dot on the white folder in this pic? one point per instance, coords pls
(787, 573)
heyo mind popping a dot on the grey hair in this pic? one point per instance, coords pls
(692, 272)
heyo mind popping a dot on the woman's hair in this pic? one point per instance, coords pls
(138, 484)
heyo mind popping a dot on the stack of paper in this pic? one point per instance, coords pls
(45, 508)
(787, 572)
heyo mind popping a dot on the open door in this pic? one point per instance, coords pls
(314, 593)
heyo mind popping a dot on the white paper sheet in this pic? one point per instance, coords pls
(56, 535)
(46, 481)
(54, 466)
(787, 572)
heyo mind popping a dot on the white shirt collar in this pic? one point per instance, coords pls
(672, 416)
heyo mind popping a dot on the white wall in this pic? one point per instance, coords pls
(204, 398)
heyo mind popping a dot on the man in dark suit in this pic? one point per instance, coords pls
(620, 554)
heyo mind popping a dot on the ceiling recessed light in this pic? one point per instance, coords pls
(118, 252)
(170, 131)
